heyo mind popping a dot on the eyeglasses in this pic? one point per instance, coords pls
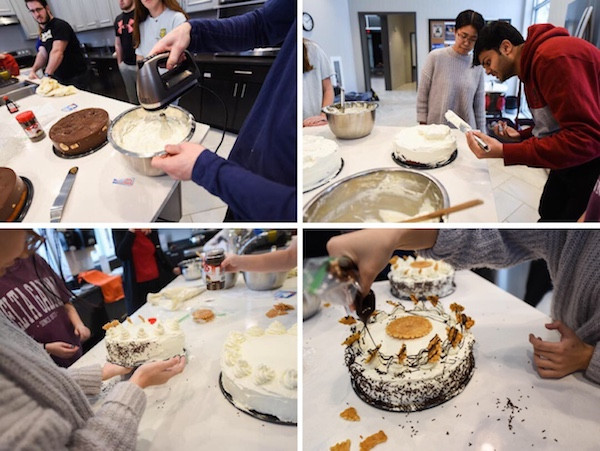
(467, 37)
(33, 241)
(36, 10)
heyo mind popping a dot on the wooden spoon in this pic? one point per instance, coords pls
(443, 211)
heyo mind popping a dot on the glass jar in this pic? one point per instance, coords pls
(30, 124)
(213, 272)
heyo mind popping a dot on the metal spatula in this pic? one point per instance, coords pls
(455, 120)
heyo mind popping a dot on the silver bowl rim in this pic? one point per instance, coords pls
(326, 191)
(153, 153)
(351, 103)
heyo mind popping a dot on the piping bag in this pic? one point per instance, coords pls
(336, 280)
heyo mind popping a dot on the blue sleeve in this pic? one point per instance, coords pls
(248, 195)
(263, 27)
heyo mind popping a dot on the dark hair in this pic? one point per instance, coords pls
(141, 13)
(306, 66)
(44, 3)
(492, 35)
(469, 17)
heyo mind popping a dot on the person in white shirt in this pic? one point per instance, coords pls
(153, 20)
(316, 78)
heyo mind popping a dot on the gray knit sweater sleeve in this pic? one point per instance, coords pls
(573, 258)
(479, 104)
(43, 407)
(425, 88)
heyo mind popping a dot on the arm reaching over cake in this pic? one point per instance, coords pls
(494, 145)
(371, 249)
(554, 360)
(279, 260)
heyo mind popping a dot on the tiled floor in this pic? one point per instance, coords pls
(517, 189)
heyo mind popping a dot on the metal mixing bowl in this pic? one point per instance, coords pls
(356, 121)
(378, 195)
(311, 304)
(262, 281)
(191, 269)
(141, 161)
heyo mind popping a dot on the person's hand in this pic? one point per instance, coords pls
(371, 249)
(231, 263)
(175, 42)
(157, 373)
(177, 270)
(111, 370)
(82, 332)
(33, 76)
(179, 160)
(494, 145)
(502, 130)
(314, 121)
(554, 360)
(61, 349)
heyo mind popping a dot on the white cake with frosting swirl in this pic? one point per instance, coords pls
(259, 370)
(416, 359)
(131, 344)
(425, 144)
(420, 277)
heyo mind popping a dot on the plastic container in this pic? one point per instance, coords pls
(213, 272)
(31, 126)
(10, 105)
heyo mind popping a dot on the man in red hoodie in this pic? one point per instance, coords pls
(561, 76)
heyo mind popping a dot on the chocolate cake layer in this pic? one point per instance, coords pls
(80, 131)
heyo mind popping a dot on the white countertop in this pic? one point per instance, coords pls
(94, 197)
(548, 414)
(189, 412)
(465, 178)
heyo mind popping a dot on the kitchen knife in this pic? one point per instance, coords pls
(56, 210)
(455, 120)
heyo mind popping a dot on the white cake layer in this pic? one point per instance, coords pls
(320, 159)
(133, 344)
(425, 144)
(419, 269)
(259, 370)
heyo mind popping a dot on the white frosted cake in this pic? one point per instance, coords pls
(425, 144)
(259, 370)
(320, 159)
(417, 358)
(131, 344)
(420, 277)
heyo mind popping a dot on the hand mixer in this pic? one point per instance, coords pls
(157, 87)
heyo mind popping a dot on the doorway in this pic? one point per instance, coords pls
(388, 45)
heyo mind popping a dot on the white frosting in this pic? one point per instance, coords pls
(144, 132)
(320, 159)
(421, 377)
(425, 144)
(133, 344)
(351, 109)
(260, 371)
(421, 276)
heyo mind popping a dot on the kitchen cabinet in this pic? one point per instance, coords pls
(89, 16)
(30, 26)
(105, 78)
(236, 82)
(191, 6)
(6, 8)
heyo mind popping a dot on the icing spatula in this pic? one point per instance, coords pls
(455, 120)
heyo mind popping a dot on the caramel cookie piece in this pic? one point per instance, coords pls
(408, 327)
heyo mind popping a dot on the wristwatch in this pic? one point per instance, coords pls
(46, 74)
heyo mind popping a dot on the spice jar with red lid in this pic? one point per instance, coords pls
(30, 124)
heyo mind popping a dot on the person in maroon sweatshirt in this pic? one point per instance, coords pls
(561, 77)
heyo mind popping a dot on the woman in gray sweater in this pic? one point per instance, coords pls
(450, 82)
(44, 407)
(573, 258)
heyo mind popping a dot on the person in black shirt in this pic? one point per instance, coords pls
(60, 51)
(124, 48)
